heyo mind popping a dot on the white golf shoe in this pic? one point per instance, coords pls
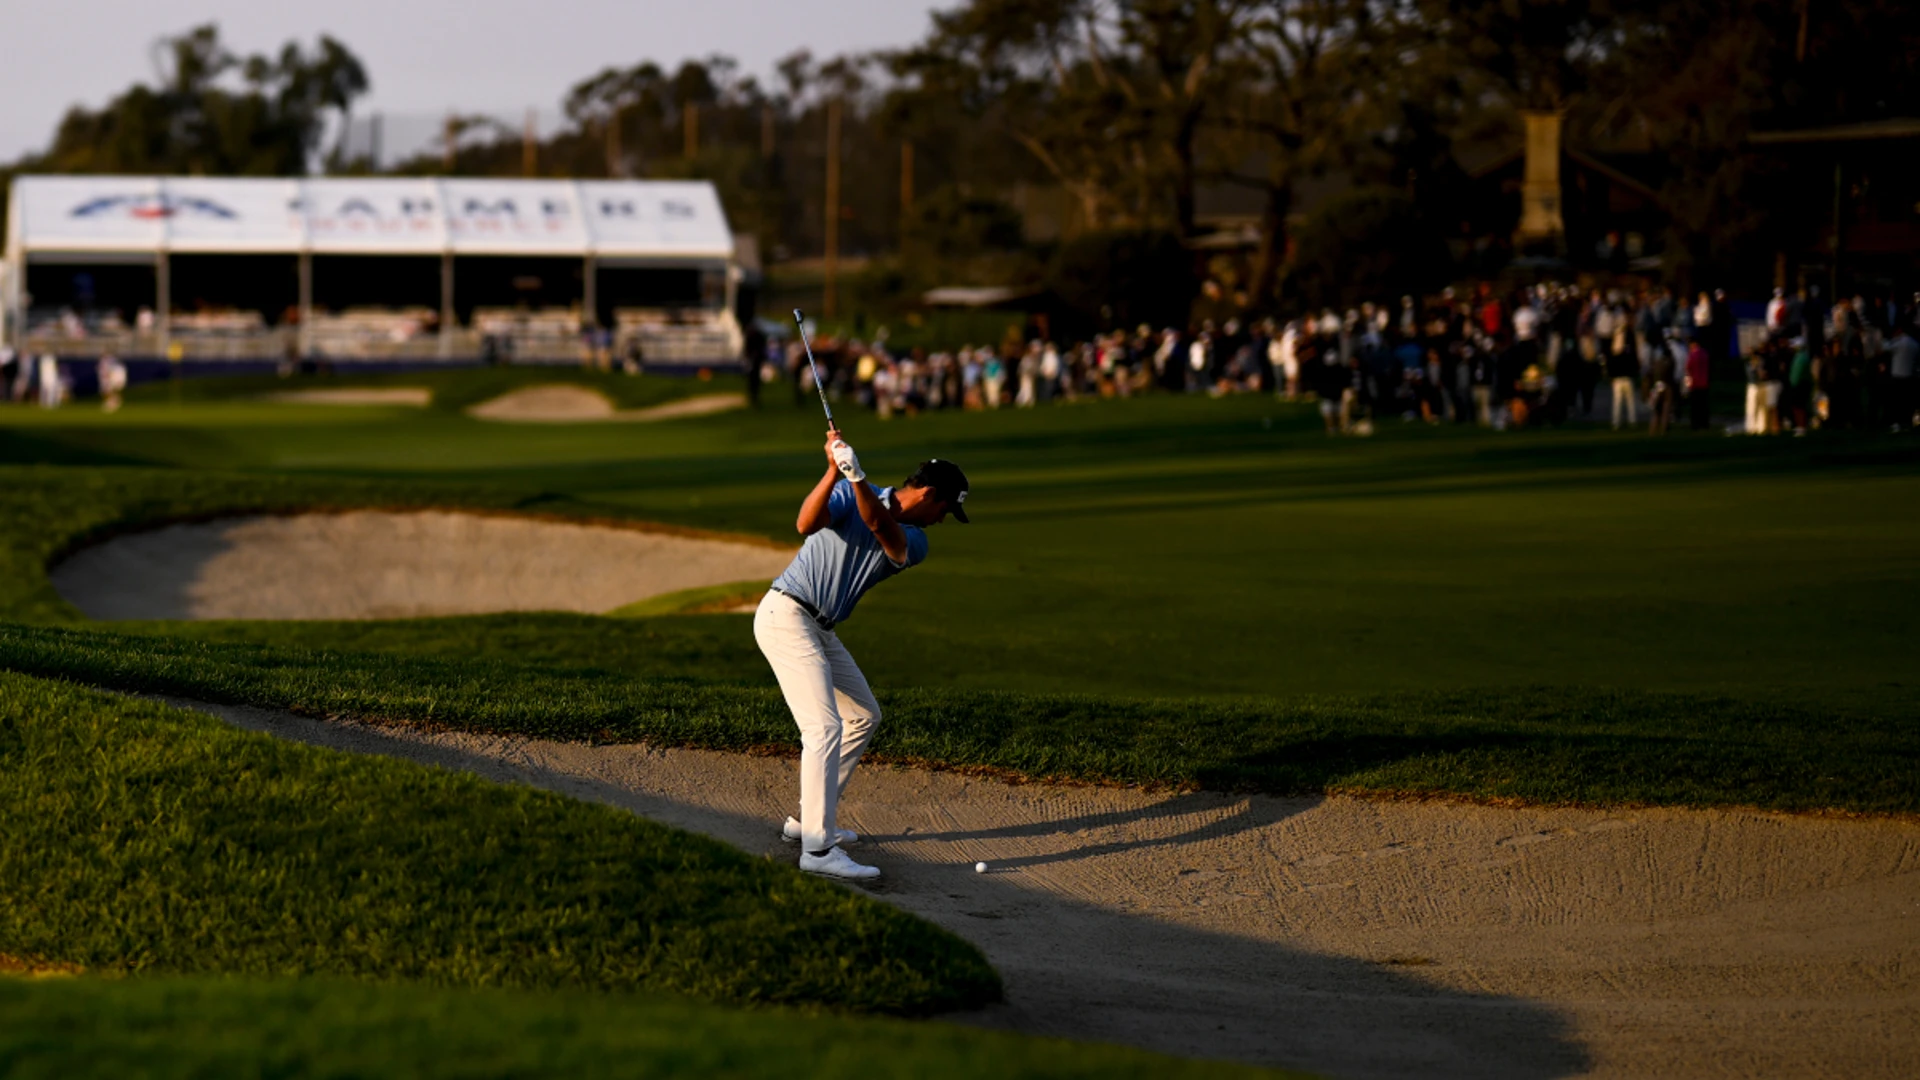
(790, 832)
(835, 863)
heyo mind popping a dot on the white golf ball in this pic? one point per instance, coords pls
(979, 868)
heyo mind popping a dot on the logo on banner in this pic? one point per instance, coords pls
(153, 207)
(357, 214)
(497, 215)
(671, 209)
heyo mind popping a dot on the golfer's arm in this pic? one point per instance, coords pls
(893, 539)
(813, 510)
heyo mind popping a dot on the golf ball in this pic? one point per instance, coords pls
(979, 868)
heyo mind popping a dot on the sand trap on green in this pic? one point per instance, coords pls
(418, 397)
(560, 403)
(382, 565)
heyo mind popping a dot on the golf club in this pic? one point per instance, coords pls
(800, 322)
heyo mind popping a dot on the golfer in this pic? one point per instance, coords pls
(857, 537)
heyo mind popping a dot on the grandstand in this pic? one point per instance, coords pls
(371, 270)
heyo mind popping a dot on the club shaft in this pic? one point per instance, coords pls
(800, 323)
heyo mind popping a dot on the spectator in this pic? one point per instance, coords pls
(1699, 369)
(1800, 384)
(113, 382)
(52, 391)
(1902, 353)
(1660, 372)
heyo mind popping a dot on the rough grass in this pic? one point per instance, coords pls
(74, 1029)
(1548, 745)
(145, 839)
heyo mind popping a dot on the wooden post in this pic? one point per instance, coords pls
(589, 292)
(446, 304)
(906, 186)
(305, 335)
(163, 302)
(529, 147)
(831, 265)
(690, 130)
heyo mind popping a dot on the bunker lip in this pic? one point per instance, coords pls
(568, 403)
(364, 563)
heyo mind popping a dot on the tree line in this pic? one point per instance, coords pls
(1124, 114)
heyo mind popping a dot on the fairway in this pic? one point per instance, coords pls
(1198, 547)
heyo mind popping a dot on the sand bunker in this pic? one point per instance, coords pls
(561, 403)
(415, 396)
(1350, 937)
(379, 565)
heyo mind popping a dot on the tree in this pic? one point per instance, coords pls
(212, 112)
(1317, 78)
(1110, 99)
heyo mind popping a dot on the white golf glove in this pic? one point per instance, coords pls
(848, 464)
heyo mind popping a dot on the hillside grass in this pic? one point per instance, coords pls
(145, 839)
(167, 1028)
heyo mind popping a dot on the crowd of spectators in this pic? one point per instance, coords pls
(1539, 355)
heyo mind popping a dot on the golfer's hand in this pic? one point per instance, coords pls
(844, 459)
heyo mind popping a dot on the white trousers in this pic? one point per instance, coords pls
(1623, 401)
(831, 703)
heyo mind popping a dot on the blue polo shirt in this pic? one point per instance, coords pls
(838, 564)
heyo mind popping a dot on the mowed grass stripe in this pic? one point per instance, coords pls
(167, 1028)
(1556, 745)
(146, 839)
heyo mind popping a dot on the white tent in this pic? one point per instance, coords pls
(121, 219)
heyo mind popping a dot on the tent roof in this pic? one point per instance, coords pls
(666, 221)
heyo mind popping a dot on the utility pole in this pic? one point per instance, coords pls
(906, 186)
(690, 129)
(1833, 273)
(832, 262)
(529, 147)
(766, 131)
(616, 168)
(447, 142)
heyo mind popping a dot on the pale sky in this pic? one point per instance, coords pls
(479, 56)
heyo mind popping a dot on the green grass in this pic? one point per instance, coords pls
(1172, 590)
(710, 599)
(145, 839)
(73, 1029)
(1147, 561)
(453, 389)
(1543, 745)
(1164, 546)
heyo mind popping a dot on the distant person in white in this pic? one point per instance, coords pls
(50, 388)
(113, 382)
(857, 537)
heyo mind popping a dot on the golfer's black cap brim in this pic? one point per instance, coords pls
(946, 479)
